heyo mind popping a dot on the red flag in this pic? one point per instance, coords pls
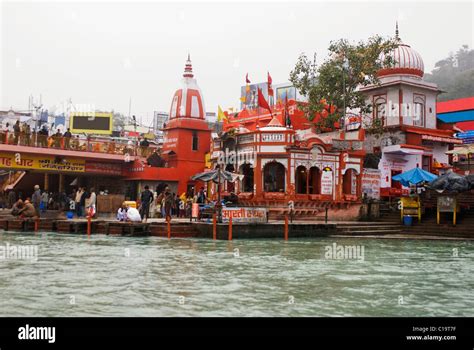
(287, 112)
(270, 88)
(262, 102)
(247, 79)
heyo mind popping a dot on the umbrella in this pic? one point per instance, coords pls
(217, 176)
(414, 176)
(213, 176)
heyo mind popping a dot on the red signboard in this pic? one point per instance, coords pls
(104, 168)
(440, 139)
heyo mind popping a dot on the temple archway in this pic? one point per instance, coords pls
(274, 176)
(247, 182)
(301, 177)
(230, 186)
(314, 182)
(350, 182)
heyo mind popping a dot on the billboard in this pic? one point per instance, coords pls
(91, 123)
(249, 95)
(285, 92)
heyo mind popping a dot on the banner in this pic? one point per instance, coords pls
(104, 168)
(246, 215)
(31, 162)
(371, 183)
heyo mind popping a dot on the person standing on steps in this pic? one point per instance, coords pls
(145, 199)
(36, 199)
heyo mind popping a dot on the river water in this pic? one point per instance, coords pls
(71, 275)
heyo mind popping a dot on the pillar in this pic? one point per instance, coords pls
(46, 182)
(61, 182)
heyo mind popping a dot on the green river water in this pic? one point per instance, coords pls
(75, 275)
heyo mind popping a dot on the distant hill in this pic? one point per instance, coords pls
(454, 74)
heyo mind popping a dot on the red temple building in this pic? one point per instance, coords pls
(186, 141)
(283, 159)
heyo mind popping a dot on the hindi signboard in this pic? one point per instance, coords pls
(244, 215)
(371, 183)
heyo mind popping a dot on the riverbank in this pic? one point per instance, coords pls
(273, 229)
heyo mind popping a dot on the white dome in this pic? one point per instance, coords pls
(188, 101)
(406, 61)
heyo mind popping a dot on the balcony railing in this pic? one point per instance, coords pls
(74, 144)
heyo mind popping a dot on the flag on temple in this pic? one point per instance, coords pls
(287, 113)
(220, 115)
(247, 79)
(262, 102)
(270, 88)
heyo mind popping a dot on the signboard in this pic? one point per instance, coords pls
(273, 137)
(371, 183)
(247, 215)
(104, 168)
(446, 204)
(31, 162)
(352, 122)
(326, 182)
(91, 123)
(441, 139)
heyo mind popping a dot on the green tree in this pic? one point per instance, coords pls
(335, 83)
(454, 75)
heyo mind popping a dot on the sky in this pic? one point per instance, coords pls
(103, 54)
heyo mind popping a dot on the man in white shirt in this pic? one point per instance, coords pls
(92, 203)
(133, 215)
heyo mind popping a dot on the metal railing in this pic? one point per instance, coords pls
(74, 144)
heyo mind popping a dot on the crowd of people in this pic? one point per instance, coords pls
(80, 201)
(161, 203)
(22, 134)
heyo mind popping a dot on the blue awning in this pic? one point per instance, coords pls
(414, 177)
(456, 117)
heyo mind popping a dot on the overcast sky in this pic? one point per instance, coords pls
(104, 53)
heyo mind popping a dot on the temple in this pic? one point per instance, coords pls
(284, 159)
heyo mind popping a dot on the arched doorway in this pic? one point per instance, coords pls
(314, 182)
(274, 177)
(247, 182)
(230, 186)
(301, 176)
(349, 182)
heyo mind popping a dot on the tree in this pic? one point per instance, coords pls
(454, 75)
(333, 86)
(119, 121)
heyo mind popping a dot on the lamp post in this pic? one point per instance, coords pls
(219, 204)
(345, 65)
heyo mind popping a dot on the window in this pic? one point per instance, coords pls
(195, 141)
(380, 110)
(426, 163)
(419, 111)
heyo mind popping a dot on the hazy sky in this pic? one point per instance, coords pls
(105, 53)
